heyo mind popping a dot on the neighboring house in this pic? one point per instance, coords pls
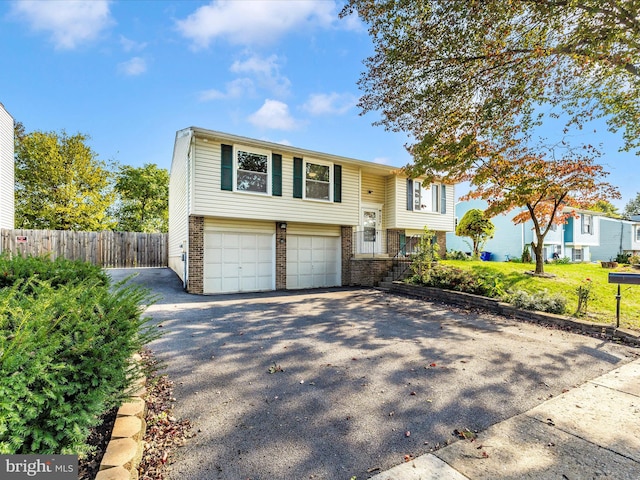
(576, 239)
(7, 202)
(617, 236)
(250, 215)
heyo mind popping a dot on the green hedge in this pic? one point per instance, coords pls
(66, 341)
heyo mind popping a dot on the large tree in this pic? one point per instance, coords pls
(546, 185)
(449, 72)
(61, 184)
(143, 198)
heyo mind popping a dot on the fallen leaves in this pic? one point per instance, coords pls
(275, 368)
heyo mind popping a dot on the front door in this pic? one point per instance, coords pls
(370, 234)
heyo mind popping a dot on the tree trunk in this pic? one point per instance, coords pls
(537, 251)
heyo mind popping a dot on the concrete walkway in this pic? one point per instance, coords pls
(589, 432)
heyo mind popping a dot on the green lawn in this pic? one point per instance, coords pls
(602, 308)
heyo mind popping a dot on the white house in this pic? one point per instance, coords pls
(7, 205)
(250, 215)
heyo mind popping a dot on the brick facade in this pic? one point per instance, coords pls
(195, 255)
(368, 272)
(346, 236)
(281, 255)
(393, 242)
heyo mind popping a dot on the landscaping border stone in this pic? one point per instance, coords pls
(124, 451)
(468, 300)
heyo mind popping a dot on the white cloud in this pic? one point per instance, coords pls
(133, 67)
(273, 114)
(329, 103)
(254, 22)
(129, 45)
(267, 73)
(70, 22)
(238, 88)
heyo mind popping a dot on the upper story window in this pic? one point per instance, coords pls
(252, 170)
(432, 198)
(317, 181)
(587, 224)
(637, 234)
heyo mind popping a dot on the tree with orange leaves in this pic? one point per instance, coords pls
(545, 184)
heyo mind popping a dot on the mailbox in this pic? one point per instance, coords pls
(626, 279)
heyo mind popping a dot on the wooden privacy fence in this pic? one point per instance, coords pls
(107, 249)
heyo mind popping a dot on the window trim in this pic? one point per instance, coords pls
(637, 233)
(330, 166)
(587, 226)
(260, 151)
(435, 197)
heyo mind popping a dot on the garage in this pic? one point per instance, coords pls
(238, 262)
(313, 261)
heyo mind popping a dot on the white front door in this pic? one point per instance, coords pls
(370, 234)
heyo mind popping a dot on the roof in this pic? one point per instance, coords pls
(373, 167)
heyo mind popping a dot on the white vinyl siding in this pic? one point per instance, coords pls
(210, 200)
(7, 205)
(412, 220)
(179, 204)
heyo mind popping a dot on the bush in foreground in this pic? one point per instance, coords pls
(65, 354)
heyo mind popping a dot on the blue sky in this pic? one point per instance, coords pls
(132, 73)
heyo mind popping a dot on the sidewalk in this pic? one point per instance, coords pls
(592, 431)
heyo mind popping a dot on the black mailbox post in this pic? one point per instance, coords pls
(622, 278)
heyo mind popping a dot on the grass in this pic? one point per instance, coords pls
(602, 306)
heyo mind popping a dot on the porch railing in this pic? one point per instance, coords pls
(370, 243)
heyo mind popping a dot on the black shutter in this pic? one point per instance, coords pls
(276, 176)
(337, 183)
(297, 177)
(226, 175)
(409, 194)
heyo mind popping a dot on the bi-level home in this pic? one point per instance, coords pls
(7, 205)
(250, 215)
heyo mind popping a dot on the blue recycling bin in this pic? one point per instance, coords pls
(485, 256)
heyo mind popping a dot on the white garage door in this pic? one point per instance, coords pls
(238, 262)
(313, 261)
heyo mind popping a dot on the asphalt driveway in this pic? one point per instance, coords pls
(343, 383)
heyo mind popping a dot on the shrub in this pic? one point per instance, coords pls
(634, 259)
(452, 278)
(541, 301)
(623, 257)
(526, 255)
(57, 272)
(426, 253)
(65, 353)
(561, 261)
(457, 255)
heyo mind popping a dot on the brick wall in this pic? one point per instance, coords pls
(195, 282)
(281, 256)
(393, 242)
(369, 272)
(346, 234)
